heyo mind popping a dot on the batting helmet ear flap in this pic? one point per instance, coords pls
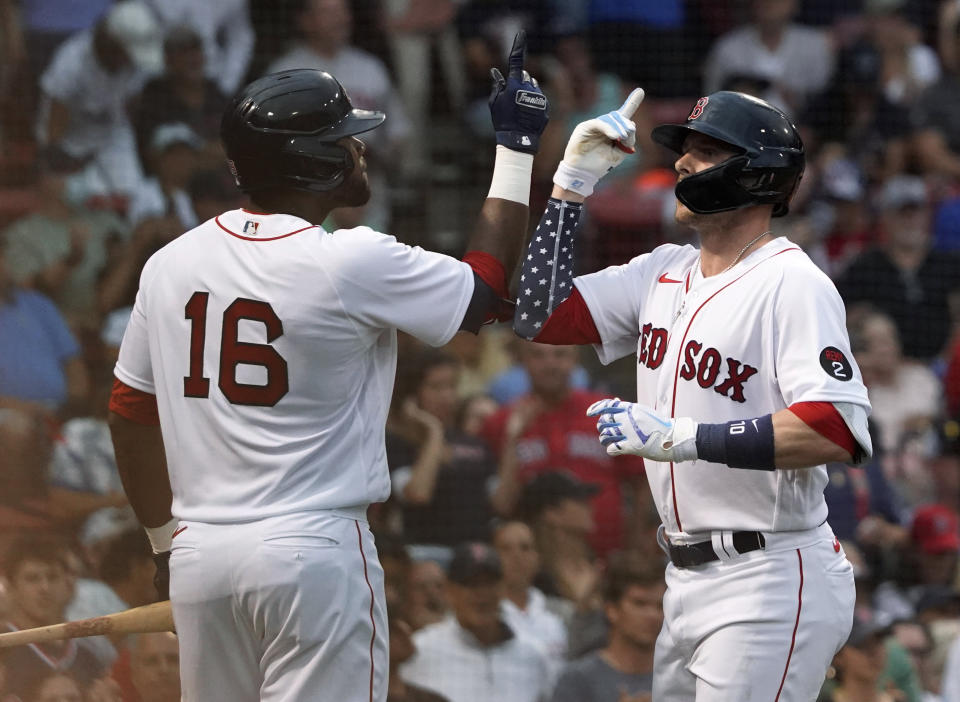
(316, 165)
(733, 184)
(715, 189)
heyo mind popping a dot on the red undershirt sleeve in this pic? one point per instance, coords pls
(570, 323)
(490, 270)
(137, 406)
(824, 419)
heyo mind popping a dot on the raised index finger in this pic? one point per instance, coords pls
(632, 102)
(517, 54)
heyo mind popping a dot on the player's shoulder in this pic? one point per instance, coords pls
(362, 235)
(186, 246)
(362, 246)
(665, 256)
(790, 259)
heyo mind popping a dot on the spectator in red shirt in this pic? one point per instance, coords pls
(548, 430)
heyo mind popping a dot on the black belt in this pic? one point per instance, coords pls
(687, 555)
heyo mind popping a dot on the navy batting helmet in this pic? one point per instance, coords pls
(767, 168)
(281, 130)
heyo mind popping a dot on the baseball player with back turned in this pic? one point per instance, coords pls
(254, 380)
(746, 387)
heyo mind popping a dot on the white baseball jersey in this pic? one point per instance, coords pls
(271, 347)
(768, 333)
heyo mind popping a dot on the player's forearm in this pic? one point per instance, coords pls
(546, 274)
(502, 224)
(142, 465)
(796, 445)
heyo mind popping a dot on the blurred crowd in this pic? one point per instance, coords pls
(521, 561)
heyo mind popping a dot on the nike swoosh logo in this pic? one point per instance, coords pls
(664, 279)
(178, 531)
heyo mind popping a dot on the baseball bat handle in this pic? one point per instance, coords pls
(139, 620)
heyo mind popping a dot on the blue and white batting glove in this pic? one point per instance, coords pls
(597, 146)
(519, 109)
(626, 427)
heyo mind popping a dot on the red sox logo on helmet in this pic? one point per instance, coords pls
(698, 108)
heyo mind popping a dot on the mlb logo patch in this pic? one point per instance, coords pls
(250, 228)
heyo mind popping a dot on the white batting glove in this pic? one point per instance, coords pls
(597, 146)
(626, 427)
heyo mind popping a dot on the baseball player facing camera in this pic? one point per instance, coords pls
(254, 380)
(746, 387)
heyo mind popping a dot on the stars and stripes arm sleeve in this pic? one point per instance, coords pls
(546, 273)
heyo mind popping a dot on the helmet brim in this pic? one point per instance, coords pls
(673, 135)
(354, 122)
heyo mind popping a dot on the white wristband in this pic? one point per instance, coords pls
(512, 171)
(576, 179)
(161, 537)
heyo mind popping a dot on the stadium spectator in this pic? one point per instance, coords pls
(481, 356)
(578, 92)
(903, 276)
(548, 429)
(31, 31)
(325, 28)
(930, 559)
(155, 667)
(439, 475)
(426, 594)
(557, 507)
(860, 663)
(83, 125)
(174, 156)
(223, 27)
(61, 687)
(127, 568)
(402, 650)
(41, 371)
(39, 590)
(61, 249)
(634, 39)
(852, 118)
(916, 640)
(525, 607)
(905, 396)
(473, 656)
(840, 215)
(632, 603)
(414, 28)
(183, 94)
(950, 682)
(863, 506)
(796, 60)
(937, 139)
(909, 65)
(473, 412)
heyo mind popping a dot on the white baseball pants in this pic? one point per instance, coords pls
(286, 609)
(758, 627)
